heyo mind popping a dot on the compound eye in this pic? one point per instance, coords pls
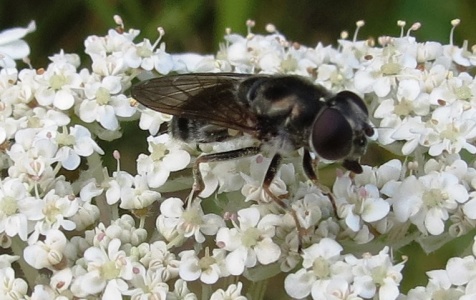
(331, 136)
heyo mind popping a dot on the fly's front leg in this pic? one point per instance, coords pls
(308, 165)
(268, 179)
(198, 184)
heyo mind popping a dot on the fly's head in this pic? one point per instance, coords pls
(341, 129)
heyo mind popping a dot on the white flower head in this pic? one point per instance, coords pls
(233, 292)
(250, 241)
(12, 287)
(165, 156)
(208, 268)
(186, 222)
(105, 102)
(377, 275)
(428, 200)
(59, 86)
(157, 257)
(107, 270)
(47, 253)
(321, 262)
(12, 47)
(19, 210)
(357, 204)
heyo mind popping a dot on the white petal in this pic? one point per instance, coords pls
(176, 160)
(375, 209)
(298, 285)
(63, 100)
(235, 261)
(267, 252)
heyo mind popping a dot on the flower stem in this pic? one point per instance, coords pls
(206, 291)
(258, 289)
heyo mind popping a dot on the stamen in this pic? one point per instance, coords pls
(414, 27)
(270, 28)
(359, 24)
(27, 61)
(117, 156)
(161, 32)
(401, 24)
(118, 20)
(454, 23)
(250, 24)
(344, 35)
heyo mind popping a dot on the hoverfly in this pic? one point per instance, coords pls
(282, 112)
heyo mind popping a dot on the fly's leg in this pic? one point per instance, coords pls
(308, 165)
(198, 184)
(268, 179)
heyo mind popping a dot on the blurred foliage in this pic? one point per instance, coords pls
(199, 25)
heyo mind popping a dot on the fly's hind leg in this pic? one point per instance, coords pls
(308, 165)
(198, 184)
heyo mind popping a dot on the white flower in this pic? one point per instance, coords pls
(151, 120)
(107, 271)
(165, 156)
(144, 56)
(18, 208)
(461, 270)
(58, 86)
(454, 128)
(208, 268)
(55, 210)
(380, 75)
(113, 43)
(156, 257)
(47, 253)
(181, 292)
(193, 63)
(139, 196)
(12, 47)
(72, 145)
(379, 176)
(11, 287)
(356, 204)
(428, 200)
(412, 130)
(186, 222)
(321, 262)
(250, 241)
(120, 180)
(253, 187)
(233, 292)
(307, 210)
(147, 284)
(409, 101)
(104, 102)
(376, 275)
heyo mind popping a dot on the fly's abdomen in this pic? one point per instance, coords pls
(190, 131)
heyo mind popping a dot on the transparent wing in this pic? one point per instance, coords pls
(209, 97)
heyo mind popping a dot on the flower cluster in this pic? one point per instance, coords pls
(112, 234)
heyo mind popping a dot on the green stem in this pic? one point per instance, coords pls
(206, 291)
(258, 289)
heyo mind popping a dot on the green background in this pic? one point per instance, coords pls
(198, 26)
